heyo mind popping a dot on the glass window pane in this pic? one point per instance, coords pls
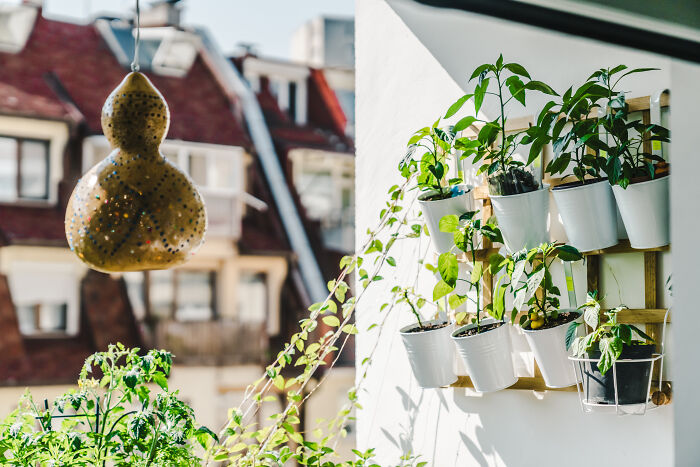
(222, 172)
(198, 169)
(317, 193)
(161, 292)
(26, 315)
(252, 298)
(8, 169)
(52, 317)
(34, 168)
(195, 293)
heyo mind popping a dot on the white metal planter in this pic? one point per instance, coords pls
(644, 210)
(549, 348)
(523, 218)
(589, 215)
(431, 354)
(436, 210)
(487, 357)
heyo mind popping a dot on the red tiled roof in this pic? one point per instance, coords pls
(88, 70)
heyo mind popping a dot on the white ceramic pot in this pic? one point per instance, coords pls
(436, 210)
(549, 348)
(487, 357)
(644, 210)
(431, 354)
(523, 218)
(589, 215)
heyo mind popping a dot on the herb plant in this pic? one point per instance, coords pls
(569, 123)
(608, 337)
(626, 158)
(414, 302)
(543, 307)
(118, 420)
(494, 148)
(469, 233)
(434, 145)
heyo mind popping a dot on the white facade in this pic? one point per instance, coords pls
(325, 42)
(412, 63)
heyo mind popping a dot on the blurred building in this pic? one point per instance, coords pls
(325, 42)
(228, 310)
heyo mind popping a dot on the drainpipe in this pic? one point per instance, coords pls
(237, 86)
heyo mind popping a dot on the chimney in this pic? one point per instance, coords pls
(162, 13)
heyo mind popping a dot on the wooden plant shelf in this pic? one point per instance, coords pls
(651, 316)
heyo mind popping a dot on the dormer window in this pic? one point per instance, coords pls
(24, 169)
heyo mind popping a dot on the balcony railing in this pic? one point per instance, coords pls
(212, 342)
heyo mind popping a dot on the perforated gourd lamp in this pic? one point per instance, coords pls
(135, 210)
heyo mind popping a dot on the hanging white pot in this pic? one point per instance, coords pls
(644, 210)
(487, 356)
(431, 354)
(549, 348)
(523, 218)
(436, 210)
(589, 214)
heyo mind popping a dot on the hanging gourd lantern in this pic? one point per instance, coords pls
(135, 210)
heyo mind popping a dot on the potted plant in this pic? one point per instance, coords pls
(639, 178)
(586, 205)
(544, 323)
(611, 343)
(484, 344)
(441, 195)
(520, 202)
(427, 343)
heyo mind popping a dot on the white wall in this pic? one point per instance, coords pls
(412, 63)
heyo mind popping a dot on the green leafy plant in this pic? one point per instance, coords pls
(434, 145)
(542, 307)
(608, 336)
(626, 158)
(114, 417)
(469, 233)
(569, 124)
(506, 82)
(414, 301)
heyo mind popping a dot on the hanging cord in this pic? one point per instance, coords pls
(135, 63)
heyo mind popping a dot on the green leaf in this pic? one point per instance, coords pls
(541, 87)
(517, 69)
(331, 321)
(571, 334)
(454, 108)
(456, 300)
(464, 123)
(610, 351)
(441, 289)
(160, 380)
(350, 329)
(481, 69)
(479, 94)
(591, 315)
(448, 268)
(477, 272)
(641, 333)
(568, 253)
(449, 223)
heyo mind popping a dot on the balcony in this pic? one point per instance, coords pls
(212, 342)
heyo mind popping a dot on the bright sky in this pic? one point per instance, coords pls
(268, 24)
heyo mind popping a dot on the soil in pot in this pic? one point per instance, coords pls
(452, 192)
(426, 327)
(562, 318)
(482, 329)
(576, 183)
(515, 181)
(632, 377)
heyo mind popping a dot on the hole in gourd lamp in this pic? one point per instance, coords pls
(135, 210)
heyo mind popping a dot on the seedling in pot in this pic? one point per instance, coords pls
(609, 337)
(495, 149)
(542, 308)
(469, 233)
(627, 161)
(415, 304)
(434, 145)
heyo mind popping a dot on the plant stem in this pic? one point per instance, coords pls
(501, 153)
(415, 312)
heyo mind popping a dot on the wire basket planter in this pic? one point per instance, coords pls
(626, 389)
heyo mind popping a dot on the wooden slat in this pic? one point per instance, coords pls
(637, 104)
(650, 295)
(652, 316)
(523, 383)
(624, 247)
(481, 254)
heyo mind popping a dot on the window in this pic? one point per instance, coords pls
(46, 297)
(252, 298)
(292, 109)
(24, 169)
(185, 295)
